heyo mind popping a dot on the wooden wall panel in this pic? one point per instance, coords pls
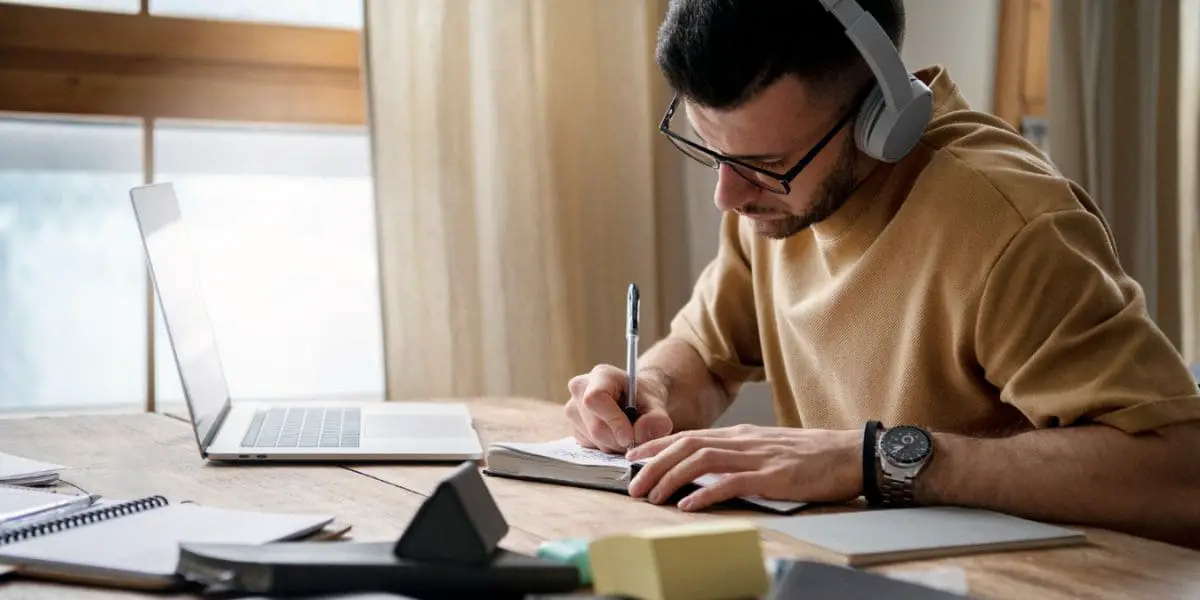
(1036, 55)
(1023, 60)
(1010, 46)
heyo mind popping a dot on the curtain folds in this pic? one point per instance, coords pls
(520, 187)
(1123, 123)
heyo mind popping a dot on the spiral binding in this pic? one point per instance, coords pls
(86, 517)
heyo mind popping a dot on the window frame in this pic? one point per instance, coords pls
(82, 63)
(69, 61)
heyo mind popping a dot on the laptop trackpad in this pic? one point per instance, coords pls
(415, 426)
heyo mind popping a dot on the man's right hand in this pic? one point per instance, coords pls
(596, 416)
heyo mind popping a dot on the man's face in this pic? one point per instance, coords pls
(773, 131)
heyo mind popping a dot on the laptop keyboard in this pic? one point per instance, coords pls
(304, 427)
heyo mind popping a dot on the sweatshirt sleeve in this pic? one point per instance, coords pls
(1065, 335)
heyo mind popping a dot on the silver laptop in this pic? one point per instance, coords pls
(255, 431)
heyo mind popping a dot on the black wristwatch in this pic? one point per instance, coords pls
(903, 451)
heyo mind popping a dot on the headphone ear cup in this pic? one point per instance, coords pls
(864, 124)
(887, 135)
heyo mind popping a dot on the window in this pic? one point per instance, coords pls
(72, 272)
(336, 14)
(121, 6)
(254, 109)
(342, 14)
(283, 225)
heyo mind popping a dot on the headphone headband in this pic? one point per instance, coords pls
(876, 49)
(893, 117)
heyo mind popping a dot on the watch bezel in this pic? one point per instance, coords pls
(891, 434)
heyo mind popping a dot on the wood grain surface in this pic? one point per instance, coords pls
(124, 456)
(1112, 565)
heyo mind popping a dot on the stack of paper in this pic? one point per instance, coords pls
(15, 470)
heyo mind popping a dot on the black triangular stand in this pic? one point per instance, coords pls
(450, 549)
(459, 522)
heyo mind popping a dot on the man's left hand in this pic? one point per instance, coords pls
(777, 463)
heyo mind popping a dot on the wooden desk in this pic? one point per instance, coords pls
(136, 455)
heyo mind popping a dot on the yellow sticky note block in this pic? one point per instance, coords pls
(702, 561)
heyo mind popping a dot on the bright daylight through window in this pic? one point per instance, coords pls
(72, 280)
(342, 14)
(278, 200)
(283, 225)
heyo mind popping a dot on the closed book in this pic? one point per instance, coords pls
(872, 537)
(294, 568)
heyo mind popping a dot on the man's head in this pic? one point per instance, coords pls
(771, 83)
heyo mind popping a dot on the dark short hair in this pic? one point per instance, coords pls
(719, 53)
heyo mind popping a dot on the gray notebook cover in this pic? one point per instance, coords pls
(884, 535)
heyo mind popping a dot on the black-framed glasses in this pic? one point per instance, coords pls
(779, 183)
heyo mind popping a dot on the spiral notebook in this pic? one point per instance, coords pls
(135, 543)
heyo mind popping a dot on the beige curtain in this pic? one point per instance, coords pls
(1123, 123)
(521, 186)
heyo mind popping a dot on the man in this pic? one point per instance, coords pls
(967, 289)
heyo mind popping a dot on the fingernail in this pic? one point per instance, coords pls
(686, 503)
(625, 439)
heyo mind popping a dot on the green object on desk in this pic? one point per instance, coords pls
(572, 551)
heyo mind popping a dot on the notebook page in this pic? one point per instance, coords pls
(568, 450)
(147, 543)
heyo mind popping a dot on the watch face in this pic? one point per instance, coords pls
(906, 445)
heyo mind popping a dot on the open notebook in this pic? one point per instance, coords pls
(565, 462)
(879, 536)
(135, 543)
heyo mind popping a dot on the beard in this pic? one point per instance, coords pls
(831, 194)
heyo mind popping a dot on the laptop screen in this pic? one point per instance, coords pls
(177, 284)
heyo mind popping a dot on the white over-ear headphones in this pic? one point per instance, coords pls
(895, 113)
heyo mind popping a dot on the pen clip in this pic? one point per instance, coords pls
(632, 308)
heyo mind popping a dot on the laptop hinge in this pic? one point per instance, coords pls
(216, 426)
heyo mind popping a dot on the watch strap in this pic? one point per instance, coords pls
(896, 493)
(870, 463)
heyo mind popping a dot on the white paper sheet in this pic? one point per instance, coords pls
(18, 470)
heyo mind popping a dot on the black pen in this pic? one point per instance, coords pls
(631, 352)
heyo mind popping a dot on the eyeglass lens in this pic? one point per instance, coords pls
(762, 180)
